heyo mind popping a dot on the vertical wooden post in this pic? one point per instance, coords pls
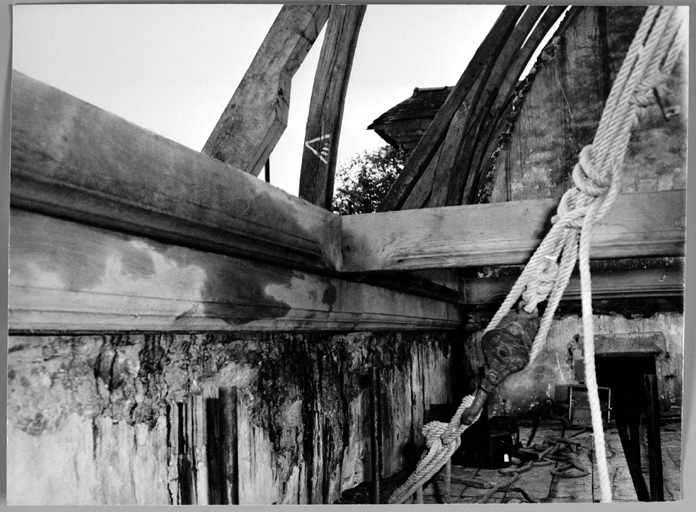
(327, 103)
(376, 434)
(257, 114)
(228, 435)
(657, 491)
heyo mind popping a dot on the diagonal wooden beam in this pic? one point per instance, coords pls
(436, 132)
(505, 89)
(326, 105)
(640, 224)
(257, 114)
(503, 68)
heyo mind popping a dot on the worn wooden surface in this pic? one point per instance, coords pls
(437, 130)
(256, 116)
(73, 160)
(323, 130)
(128, 419)
(645, 224)
(561, 111)
(488, 132)
(667, 282)
(68, 277)
(504, 70)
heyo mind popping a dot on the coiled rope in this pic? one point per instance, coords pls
(641, 81)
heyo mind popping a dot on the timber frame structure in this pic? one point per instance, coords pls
(117, 230)
(102, 179)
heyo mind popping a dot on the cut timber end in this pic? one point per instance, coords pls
(256, 116)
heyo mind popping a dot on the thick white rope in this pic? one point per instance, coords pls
(597, 181)
(597, 178)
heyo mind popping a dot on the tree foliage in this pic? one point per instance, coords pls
(366, 179)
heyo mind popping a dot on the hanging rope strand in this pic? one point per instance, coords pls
(597, 176)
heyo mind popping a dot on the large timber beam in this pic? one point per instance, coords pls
(73, 160)
(68, 277)
(638, 225)
(326, 105)
(257, 114)
(437, 131)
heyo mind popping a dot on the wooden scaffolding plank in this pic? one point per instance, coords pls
(73, 160)
(436, 132)
(326, 105)
(257, 114)
(641, 224)
(71, 278)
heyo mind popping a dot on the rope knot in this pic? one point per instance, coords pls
(587, 178)
(539, 288)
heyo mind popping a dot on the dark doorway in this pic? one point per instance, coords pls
(632, 407)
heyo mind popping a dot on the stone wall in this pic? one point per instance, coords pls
(523, 393)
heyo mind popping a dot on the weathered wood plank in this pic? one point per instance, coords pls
(73, 160)
(433, 137)
(67, 277)
(642, 224)
(257, 114)
(666, 282)
(326, 105)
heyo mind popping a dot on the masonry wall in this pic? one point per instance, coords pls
(129, 419)
(523, 393)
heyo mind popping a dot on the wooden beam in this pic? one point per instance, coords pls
(622, 284)
(436, 132)
(507, 78)
(71, 278)
(257, 114)
(641, 224)
(73, 160)
(326, 106)
(490, 89)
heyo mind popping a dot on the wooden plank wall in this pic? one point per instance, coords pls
(562, 108)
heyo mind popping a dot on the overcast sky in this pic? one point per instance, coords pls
(173, 68)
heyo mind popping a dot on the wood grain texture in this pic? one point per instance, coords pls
(501, 67)
(433, 137)
(256, 116)
(642, 224)
(68, 278)
(561, 112)
(73, 160)
(323, 129)
(620, 284)
(487, 132)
